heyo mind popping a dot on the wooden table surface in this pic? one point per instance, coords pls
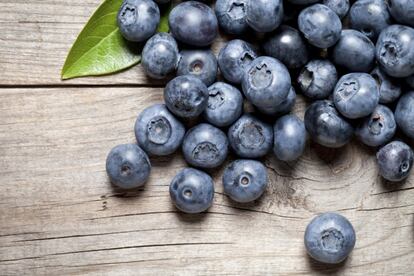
(60, 216)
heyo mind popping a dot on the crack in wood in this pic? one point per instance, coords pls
(119, 248)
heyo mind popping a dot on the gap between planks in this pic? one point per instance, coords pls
(115, 85)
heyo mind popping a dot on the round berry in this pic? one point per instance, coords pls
(193, 23)
(138, 19)
(128, 166)
(326, 126)
(245, 180)
(186, 96)
(250, 138)
(199, 63)
(395, 161)
(205, 146)
(158, 132)
(192, 191)
(160, 56)
(329, 238)
(225, 104)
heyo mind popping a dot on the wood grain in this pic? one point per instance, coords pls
(35, 37)
(60, 216)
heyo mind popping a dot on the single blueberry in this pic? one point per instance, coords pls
(402, 11)
(199, 63)
(378, 128)
(289, 138)
(186, 96)
(205, 146)
(231, 15)
(354, 51)
(128, 166)
(389, 88)
(356, 95)
(245, 180)
(250, 138)
(158, 132)
(283, 108)
(326, 126)
(138, 19)
(264, 15)
(404, 114)
(287, 45)
(266, 82)
(395, 161)
(395, 51)
(320, 25)
(225, 104)
(160, 56)
(192, 191)
(193, 23)
(329, 238)
(318, 79)
(340, 7)
(369, 17)
(234, 58)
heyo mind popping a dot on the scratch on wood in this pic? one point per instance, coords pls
(118, 248)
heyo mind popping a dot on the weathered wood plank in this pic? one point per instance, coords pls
(35, 37)
(60, 216)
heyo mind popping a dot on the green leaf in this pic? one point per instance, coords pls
(163, 27)
(100, 48)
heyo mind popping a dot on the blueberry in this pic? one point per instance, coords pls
(160, 56)
(340, 7)
(289, 138)
(326, 126)
(157, 131)
(287, 45)
(395, 161)
(250, 138)
(128, 166)
(225, 104)
(231, 15)
(329, 238)
(356, 95)
(264, 15)
(234, 58)
(354, 51)
(378, 128)
(395, 51)
(266, 82)
(193, 23)
(402, 11)
(320, 25)
(404, 114)
(410, 81)
(199, 63)
(192, 191)
(369, 17)
(205, 146)
(283, 108)
(186, 96)
(389, 88)
(138, 19)
(318, 79)
(245, 180)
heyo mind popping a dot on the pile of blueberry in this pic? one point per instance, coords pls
(354, 61)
